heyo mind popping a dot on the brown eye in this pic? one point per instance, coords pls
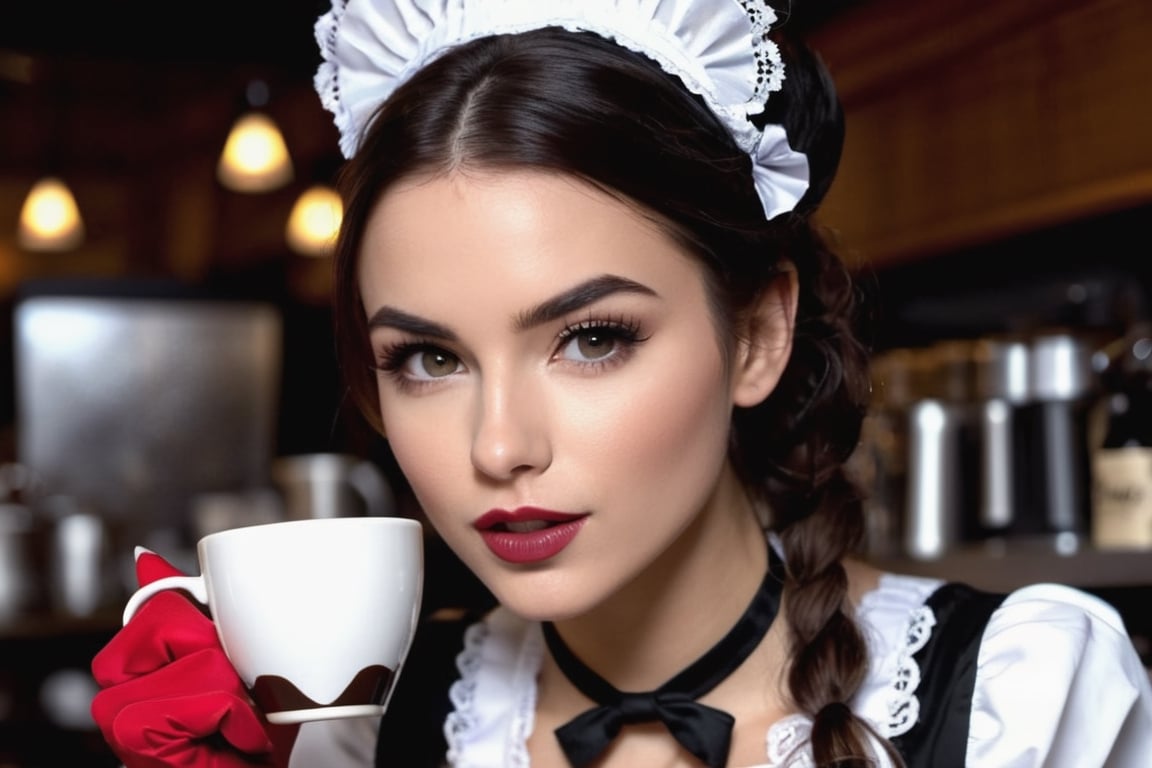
(432, 364)
(593, 345)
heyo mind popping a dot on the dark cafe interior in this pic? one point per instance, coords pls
(167, 364)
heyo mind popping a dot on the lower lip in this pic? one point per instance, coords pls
(532, 547)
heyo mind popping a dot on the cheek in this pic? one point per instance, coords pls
(422, 438)
(671, 418)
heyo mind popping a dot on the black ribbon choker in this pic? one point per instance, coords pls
(704, 731)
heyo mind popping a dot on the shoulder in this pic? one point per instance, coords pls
(1044, 675)
(1057, 676)
(1057, 633)
(1067, 607)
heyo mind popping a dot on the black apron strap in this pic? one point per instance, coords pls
(939, 739)
(412, 730)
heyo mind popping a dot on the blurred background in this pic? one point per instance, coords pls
(167, 368)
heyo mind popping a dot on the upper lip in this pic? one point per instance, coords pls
(494, 517)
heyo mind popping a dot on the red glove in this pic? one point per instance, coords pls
(170, 697)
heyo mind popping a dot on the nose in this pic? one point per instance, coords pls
(510, 436)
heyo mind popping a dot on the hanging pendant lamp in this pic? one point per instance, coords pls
(50, 219)
(255, 157)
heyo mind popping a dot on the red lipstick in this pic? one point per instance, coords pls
(528, 534)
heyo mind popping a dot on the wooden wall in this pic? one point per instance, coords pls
(972, 122)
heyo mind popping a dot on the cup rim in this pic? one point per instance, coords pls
(390, 522)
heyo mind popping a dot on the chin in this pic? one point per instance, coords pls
(544, 599)
(538, 612)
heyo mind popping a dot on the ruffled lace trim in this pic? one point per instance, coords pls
(904, 705)
(787, 742)
(524, 716)
(464, 716)
(769, 66)
(494, 699)
(789, 745)
(890, 690)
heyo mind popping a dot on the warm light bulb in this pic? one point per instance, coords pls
(255, 157)
(50, 219)
(315, 221)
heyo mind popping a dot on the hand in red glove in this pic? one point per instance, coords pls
(169, 694)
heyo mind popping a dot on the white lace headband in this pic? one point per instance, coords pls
(718, 48)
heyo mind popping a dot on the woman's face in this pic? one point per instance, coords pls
(551, 380)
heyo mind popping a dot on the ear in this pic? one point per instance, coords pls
(765, 342)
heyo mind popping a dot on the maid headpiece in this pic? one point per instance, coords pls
(718, 48)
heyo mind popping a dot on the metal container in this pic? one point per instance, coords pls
(331, 485)
(21, 563)
(1063, 388)
(934, 511)
(1003, 386)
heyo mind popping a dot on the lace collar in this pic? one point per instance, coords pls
(494, 699)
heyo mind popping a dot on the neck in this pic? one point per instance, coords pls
(695, 592)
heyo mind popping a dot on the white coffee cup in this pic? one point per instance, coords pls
(316, 616)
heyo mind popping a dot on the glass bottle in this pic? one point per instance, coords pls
(1122, 464)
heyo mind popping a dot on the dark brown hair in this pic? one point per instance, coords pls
(578, 104)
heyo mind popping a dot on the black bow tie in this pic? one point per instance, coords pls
(704, 731)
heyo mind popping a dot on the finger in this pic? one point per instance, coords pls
(205, 671)
(167, 627)
(214, 728)
(150, 567)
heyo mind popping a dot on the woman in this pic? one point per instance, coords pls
(580, 291)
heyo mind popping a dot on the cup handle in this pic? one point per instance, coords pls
(193, 585)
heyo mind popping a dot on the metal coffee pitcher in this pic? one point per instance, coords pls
(331, 485)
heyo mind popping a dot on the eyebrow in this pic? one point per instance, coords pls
(575, 298)
(390, 317)
(578, 297)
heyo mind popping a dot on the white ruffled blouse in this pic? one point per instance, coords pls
(1058, 684)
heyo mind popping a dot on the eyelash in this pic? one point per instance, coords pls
(392, 359)
(623, 331)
